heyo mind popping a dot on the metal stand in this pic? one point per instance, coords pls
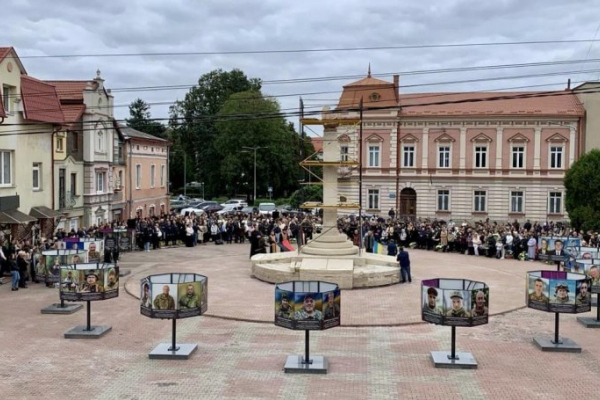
(296, 364)
(61, 308)
(452, 359)
(88, 331)
(589, 322)
(565, 345)
(166, 351)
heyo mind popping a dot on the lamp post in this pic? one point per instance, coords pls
(254, 148)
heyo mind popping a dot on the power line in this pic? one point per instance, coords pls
(323, 50)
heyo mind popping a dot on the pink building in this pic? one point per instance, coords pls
(497, 155)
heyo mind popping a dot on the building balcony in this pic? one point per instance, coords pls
(67, 201)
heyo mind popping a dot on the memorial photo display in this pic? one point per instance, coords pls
(89, 282)
(307, 310)
(173, 296)
(557, 249)
(52, 260)
(591, 268)
(454, 302)
(558, 291)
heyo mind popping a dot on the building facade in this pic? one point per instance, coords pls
(460, 156)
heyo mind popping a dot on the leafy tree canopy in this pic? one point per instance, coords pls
(141, 119)
(582, 182)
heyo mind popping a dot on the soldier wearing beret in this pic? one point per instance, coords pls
(457, 306)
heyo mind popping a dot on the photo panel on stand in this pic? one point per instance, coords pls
(457, 304)
(308, 310)
(562, 295)
(111, 279)
(163, 296)
(146, 294)
(583, 296)
(93, 281)
(432, 305)
(480, 305)
(538, 292)
(593, 272)
(331, 308)
(94, 250)
(284, 308)
(190, 295)
(70, 279)
(52, 267)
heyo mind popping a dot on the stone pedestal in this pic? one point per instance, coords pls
(294, 365)
(164, 352)
(566, 345)
(81, 332)
(441, 359)
(57, 309)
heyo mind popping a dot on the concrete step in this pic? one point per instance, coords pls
(330, 245)
(329, 252)
(330, 238)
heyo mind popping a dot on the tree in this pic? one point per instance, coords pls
(248, 119)
(193, 122)
(142, 121)
(582, 182)
(307, 193)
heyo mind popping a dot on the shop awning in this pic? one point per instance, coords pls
(15, 217)
(44, 212)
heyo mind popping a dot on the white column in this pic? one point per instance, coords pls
(394, 147)
(499, 142)
(537, 148)
(572, 144)
(425, 147)
(463, 149)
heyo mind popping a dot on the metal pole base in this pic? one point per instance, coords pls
(589, 322)
(164, 351)
(565, 345)
(56, 308)
(81, 332)
(295, 365)
(461, 360)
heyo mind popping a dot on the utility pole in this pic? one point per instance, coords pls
(254, 148)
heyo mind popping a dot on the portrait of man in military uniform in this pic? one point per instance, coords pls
(91, 284)
(308, 311)
(112, 280)
(431, 302)
(190, 298)
(286, 308)
(146, 298)
(164, 301)
(561, 294)
(69, 281)
(332, 310)
(594, 274)
(479, 309)
(537, 292)
(458, 309)
(93, 254)
(584, 297)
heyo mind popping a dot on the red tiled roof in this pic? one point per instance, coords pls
(72, 112)
(4, 51)
(71, 90)
(317, 143)
(40, 101)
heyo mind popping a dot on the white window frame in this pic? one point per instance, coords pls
(481, 150)
(344, 153)
(552, 206)
(152, 175)
(138, 176)
(480, 201)
(408, 154)
(513, 154)
(7, 94)
(439, 156)
(3, 155)
(513, 196)
(100, 184)
(374, 150)
(60, 144)
(36, 170)
(100, 135)
(163, 169)
(373, 199)
(552, 154)
(441, 195)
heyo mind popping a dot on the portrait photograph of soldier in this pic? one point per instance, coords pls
(75, 258)
(331, 305)
(189, 295)
(112, 279)
(583, 293)
(284, 304)
(146, 294)
(92, 284)
(480, 302)
(93, 251)
(204, 293)
(457, 303)
(52, 263)
(562, 293)
(308, 307)
(594, 275)
(69, 280)
(164, 293)
(538, 290)
(432, 301)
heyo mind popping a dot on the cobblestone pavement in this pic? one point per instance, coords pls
(244, 360)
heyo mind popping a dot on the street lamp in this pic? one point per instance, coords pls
(254, 148)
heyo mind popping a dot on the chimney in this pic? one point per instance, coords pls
(397, 85)
(569, 84)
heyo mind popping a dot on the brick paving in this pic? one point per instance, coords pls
(244, 360)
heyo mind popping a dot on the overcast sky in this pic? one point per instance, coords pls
(62, 27)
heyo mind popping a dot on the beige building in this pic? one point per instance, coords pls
(460, 156)
(589, 95)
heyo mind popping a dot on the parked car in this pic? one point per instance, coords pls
(249, 210)
(188, 210)
(266, 208)
(204, 204)
(178, 204)
(212, 208)
(235, 202)
(227, 208)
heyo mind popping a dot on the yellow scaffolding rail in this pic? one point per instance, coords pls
(320, 163)
(314, 204)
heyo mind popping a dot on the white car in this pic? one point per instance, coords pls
(228, 208)
(266, 208)
(189, 210)
(235, 203)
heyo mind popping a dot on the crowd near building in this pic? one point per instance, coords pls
(466, 155)
(65, 162)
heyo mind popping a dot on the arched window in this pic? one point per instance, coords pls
(100, 141)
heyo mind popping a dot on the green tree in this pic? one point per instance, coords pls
(141, 119)
(582, 182)
(307, 193)
(261, 126)
(193, 122)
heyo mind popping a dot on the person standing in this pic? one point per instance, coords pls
(22, 265)
(392, 248)
(404, 261)
(14, 271)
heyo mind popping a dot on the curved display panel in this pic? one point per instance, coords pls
(307, 305)
(89, 282)
(454, 302)
(52, 260)
(558, 292)
(174, 296)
